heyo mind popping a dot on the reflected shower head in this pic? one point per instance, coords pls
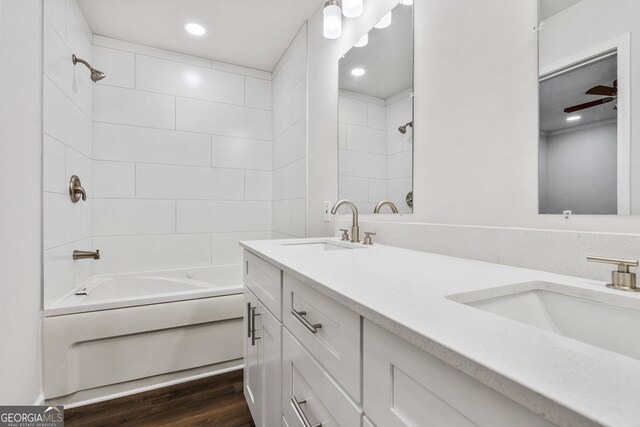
(95, 74)
(403, 129)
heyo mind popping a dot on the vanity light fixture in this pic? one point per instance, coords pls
(352, 8)
(195, 29)
(357, 72)
(573, 118)
(363, 41)
(384, 22)
(332, 19)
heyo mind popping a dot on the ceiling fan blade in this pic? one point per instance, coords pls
(602, 90)
(588, 105)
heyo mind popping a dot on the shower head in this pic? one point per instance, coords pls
(95, 74)
(403, 129)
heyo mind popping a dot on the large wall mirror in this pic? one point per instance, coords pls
(376, 116)
(585, 155)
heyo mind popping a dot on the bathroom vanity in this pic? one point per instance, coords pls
(341, 334)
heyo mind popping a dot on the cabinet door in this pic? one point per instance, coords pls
(270, 336)
(405, 386)
(252, 358)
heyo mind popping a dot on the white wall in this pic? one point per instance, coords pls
(580, 170)
(21, 191)
(290, 140)
(182, 159)
(399, 111)
(67, 111)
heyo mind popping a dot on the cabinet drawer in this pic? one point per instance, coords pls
(330, 331)
(318, 397)
(405, 386)
(265, 281)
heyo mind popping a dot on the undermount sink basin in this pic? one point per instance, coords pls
(320, 246)
(601, 319)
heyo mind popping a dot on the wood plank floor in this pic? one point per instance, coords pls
(215, 401)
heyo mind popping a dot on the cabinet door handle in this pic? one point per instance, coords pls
(248, 320)
(305, 421)
(253, 326)
(312, 327)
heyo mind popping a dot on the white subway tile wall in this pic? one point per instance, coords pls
(67, 147)
(289, 180)
(182, 159)
(375, 160)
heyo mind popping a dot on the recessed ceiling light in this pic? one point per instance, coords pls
(195, 29)
(384, 22)
(407, 2)
(358, 72)
(363, 41)
(573, 118)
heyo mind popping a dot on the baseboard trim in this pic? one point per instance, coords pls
(76, 400)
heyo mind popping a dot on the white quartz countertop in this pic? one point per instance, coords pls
(404, 291)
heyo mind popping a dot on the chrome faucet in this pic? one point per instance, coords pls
(389, 203)
(355, 228)
(623, 279)
(86, 254)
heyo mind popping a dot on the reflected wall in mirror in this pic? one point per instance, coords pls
(376, 117)
(585, 157)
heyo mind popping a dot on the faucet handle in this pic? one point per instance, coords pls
(345, 233)
(367, 238)
(622, 279)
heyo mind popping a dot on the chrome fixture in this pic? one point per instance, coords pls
(409, 199)
(76, 191)
(95, 74)
(332, 19)
(355, 228)
(403, 129)
(367, 238)
(345, 234)
(389, 203)
(312, 327)
(301, 415)
(623, 279)
(86, 254)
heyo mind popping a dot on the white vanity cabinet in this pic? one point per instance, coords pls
(262, 342)
(311, 361)
(405, 386)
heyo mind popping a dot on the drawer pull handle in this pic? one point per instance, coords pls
(248, 320)
(312, 327)
(296, 405)
(253, 326)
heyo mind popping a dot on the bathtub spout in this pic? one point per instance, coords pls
(86, 254)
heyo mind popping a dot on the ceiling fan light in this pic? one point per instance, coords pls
(332, 19)
(352, 8)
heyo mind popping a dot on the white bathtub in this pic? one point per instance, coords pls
(142, 329)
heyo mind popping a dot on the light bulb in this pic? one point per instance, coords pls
(384, 22)
(195, 29)
(363, 41)
(357, 72)
(407, 2)
(332, 19)
(352, 8)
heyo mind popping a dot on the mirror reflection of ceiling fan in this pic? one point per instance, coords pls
(610, 94)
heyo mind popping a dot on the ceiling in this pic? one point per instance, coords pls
(548, 8)
(387, 59)
(569, 89)
(251, 33)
